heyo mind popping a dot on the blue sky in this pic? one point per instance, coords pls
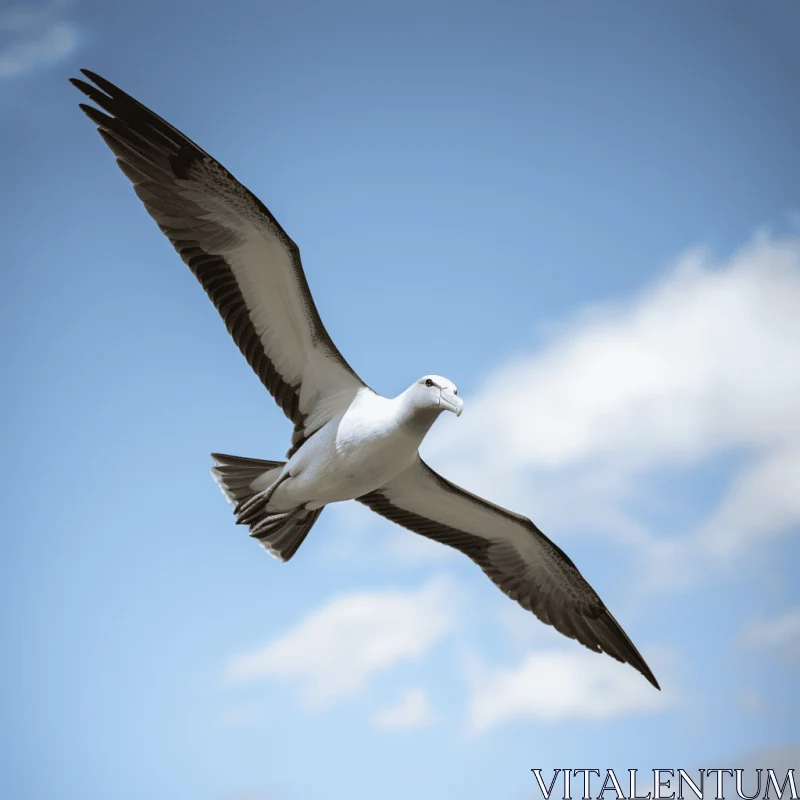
(602, 200)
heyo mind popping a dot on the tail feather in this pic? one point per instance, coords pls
(291, 533)
(235, 475)
(242, 481)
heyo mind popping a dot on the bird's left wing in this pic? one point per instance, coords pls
(512, 551)
(245, 261)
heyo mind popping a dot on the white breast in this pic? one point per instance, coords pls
(353, 454)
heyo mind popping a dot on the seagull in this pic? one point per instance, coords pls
(349, 442)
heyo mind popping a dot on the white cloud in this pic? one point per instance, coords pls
(702, 364)
(555, 685)
(411, 712)
(38, 37)
(781, 632)
(763, 500)
(336, 649)
(706, 358)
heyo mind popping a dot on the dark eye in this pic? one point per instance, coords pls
(429, 382)
(455, 391)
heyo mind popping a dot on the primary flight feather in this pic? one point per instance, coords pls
(349, 443)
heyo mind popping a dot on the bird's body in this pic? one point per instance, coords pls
(362, 448)
(348, 443)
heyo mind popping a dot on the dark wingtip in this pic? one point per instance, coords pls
(652, 679)
(96, 116)
(620, 646)
(86, 74)
(82, 86)
(108, 87)
(641, 665)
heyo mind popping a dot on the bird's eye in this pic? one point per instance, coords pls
(455, 391)
(429, 382)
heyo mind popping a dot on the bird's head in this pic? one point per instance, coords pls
(436, 392)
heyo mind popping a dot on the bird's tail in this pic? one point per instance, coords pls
(244, 482)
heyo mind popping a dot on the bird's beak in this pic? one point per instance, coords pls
(452, 402)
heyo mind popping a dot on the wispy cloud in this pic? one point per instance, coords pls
(411, 712)
(763, 500)
(559, 685)
(34, 35)
(335, 650)
(704, 363)
(781, 633)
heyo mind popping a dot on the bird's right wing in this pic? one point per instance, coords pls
(512, 551)
(245, 261)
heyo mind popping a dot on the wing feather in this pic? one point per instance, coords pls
(245, 261)
(513, 553)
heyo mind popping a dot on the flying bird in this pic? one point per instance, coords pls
(349, 442)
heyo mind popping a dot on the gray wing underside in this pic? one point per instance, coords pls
(512, 551)
(245, 261)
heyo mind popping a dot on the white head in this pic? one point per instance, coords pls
(435, 393)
